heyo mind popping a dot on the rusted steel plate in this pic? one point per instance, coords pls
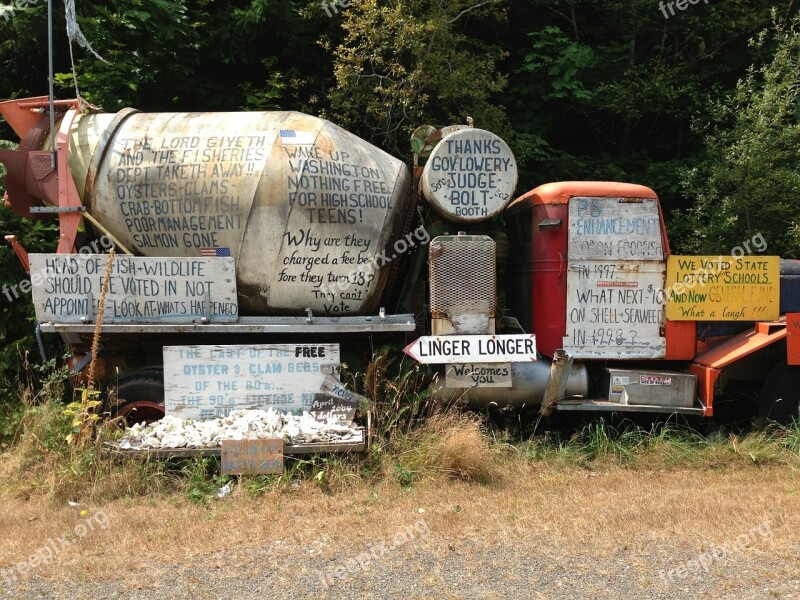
(252, 457)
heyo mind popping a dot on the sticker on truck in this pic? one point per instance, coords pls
(655, 380)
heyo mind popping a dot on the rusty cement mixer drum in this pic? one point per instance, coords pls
(306, 208)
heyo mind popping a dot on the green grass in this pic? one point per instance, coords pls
(414, 439)
(664, 446)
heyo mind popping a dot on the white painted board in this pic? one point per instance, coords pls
(204, 382)
(615, 309)
(607, 229)
(448, 349)
(478, 375)
(67, 289)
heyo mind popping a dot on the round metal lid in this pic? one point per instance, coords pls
(470, 176)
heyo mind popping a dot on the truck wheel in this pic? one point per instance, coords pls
(140, 397)
(780, 397)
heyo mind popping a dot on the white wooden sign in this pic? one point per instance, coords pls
(67, 288)
(478, 375)
(441, 349)
(607, 229)
(615, 309)
(204, 382)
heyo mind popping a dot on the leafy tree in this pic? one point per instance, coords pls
(749, 181)
(607, 90)
(407, 63)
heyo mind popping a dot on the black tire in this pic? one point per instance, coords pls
(139, 397)
(780, 397)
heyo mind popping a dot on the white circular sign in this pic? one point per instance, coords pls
(470, 176)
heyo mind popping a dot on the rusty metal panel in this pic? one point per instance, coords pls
(252, 457)
(793, 338)
(463, 284)
(308, 210)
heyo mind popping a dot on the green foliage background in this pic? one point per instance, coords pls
(702, 106)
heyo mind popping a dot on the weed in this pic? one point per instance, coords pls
(399, 391)
(404, 477)
(450, 443)
(203, 479)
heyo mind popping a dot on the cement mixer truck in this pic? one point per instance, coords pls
(253, 248)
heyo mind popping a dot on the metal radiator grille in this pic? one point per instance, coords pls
(462, 276)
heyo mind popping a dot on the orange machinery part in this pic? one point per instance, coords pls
(708, 366)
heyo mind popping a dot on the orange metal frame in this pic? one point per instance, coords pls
(708, 366)
(68, 197)
(24, 114)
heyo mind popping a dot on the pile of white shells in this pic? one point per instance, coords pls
(172, 432)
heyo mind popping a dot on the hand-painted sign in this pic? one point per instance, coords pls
(723, 288)
(336, 401)
(252, 457)
(478, 375)
(473, 349)
(616, 269)
(614, 229)
(470, 175)
(615, 309)
(204, 382)
(66, 289)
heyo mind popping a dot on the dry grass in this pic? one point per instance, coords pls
(452, 443)
(576, 511)
(599, 492)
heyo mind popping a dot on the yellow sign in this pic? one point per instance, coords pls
(723, 288)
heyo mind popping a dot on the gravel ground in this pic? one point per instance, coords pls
(426, 565)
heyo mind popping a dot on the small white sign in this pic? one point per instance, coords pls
(448, 349)
(67, 288)
(478, 375)
(204, 382)
(655, 380)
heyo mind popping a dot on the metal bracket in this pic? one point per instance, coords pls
(81, 364)
(559, 374)
(310, 315)
(57, 209)
(21, 253)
